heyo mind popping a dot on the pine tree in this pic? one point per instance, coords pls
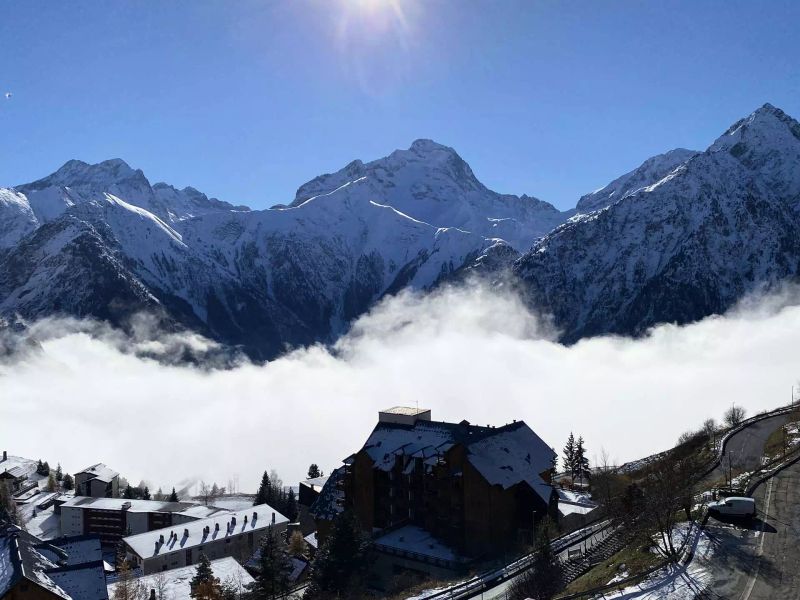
(128, 493)
(51, 483)
(569, 455)
(264, 491)
(173, 497)
(581, 460)
(341, 564)
(290, 506)
(543, 579)
(146, 494)
(40, 468)
(68, 483)
(313, 471)
(119, 554)
(59, 473)
(45, 469)
(159, 494)
(204, 586)
(275, 568)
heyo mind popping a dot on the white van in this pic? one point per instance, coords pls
(733, 507)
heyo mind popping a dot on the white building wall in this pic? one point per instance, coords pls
(71, 520)
(240, 547)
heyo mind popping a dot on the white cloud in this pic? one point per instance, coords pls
(85, 397)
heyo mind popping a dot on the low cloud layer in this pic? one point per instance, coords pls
(80, 395)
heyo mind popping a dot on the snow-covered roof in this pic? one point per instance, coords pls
(514, 455)
(17, 466)
(83, 581)
(131, 505)
(19, 558)
(79, 549)
(189, 535)
(504, 456)
(202, 511)
(316, 483)
(329, 502)
(177, 581)
(311, 540)
(415, 540)
(100, 472)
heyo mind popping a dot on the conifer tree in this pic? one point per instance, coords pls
(264, 491)
(68, 483)
(173, 497)
(543, 579)
(313, 471)
(581, 460)
(569, 455)
(59, 473)
(290, 506)
(146, 494)
(204, 586)
(340, 566)
(274, 568)
(45, 468)
(51, 483)
(128, 493)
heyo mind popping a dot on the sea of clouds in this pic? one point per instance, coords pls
(78, 392)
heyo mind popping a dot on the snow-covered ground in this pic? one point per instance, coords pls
(176, 582)
(674, 582)
(234, 503)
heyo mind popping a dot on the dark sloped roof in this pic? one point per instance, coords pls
(329, 502)
(504, 456)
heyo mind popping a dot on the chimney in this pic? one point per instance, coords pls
(233, 521)
(245, 519)
(156, 543)
(255, 516)
(152, 594)
(273, 518)
(5, 455)
(186, 532)
(216, 527)
(161, 538)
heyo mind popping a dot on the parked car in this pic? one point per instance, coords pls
(733, 506)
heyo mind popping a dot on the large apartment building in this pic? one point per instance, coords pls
(114, 518)
(467, 491)
(236, 534)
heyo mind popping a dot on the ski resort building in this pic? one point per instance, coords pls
(114, 518)
(237, 534)
(439, 494)
(97, 481)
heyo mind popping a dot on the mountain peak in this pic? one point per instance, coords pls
(763, 132)
(79, 173)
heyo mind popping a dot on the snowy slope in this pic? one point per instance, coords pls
(649, 172)
(722, 224)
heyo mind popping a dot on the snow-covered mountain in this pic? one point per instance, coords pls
(683, 236)
(720, 224)
(432, 183)
(100, 240)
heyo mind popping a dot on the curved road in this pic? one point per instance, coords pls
(746, 447)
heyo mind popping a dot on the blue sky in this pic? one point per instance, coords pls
(248, 100)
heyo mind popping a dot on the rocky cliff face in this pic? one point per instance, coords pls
(721, 224)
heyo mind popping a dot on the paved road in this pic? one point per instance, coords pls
(762, 561)
(746, 447)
